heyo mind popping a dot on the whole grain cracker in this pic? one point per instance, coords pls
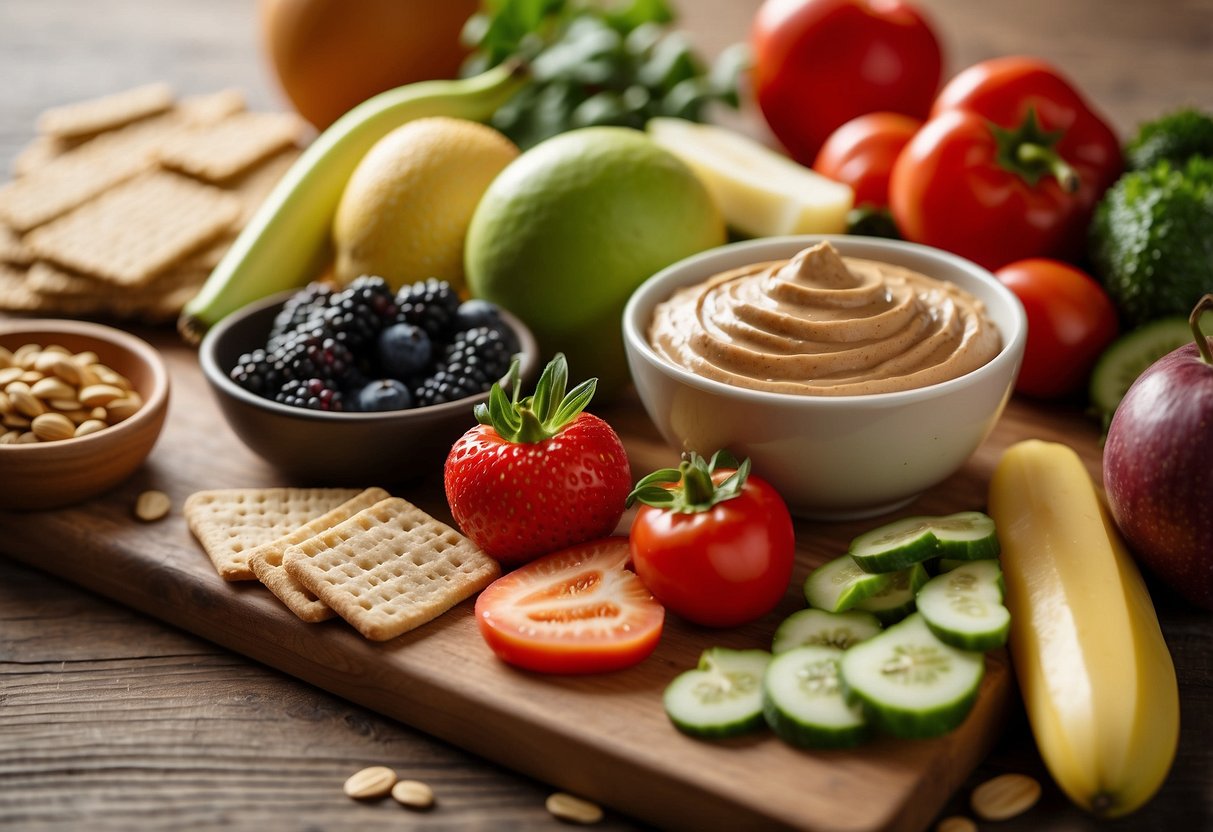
(79, 175)
(253, 187)
(233, 146)
(135, 231)
(38, 153)
(230, 522)
(266, 560)
(12, 249)
(15, 294)
(210, 107)
(96, 115)
(390, 568)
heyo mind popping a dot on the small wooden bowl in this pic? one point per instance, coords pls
(53, 474)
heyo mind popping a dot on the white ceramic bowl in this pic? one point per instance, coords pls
(830, 457)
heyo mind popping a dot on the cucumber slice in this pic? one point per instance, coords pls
(840, 584)
(909, 682)
(722, 697)
(896, 601)
(829, 629)
(1130, 354)
(964, 607)
(966, 535)
(803, 702)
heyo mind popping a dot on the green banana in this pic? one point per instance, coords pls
(286, 243)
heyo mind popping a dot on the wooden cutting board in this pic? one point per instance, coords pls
(605, 737)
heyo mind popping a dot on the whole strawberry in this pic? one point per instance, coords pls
(537, 474)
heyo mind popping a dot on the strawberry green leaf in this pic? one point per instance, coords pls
(543, 414)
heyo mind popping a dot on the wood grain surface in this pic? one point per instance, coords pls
(110, 720)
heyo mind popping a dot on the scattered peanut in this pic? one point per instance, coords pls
(566, 807)
(1005, 796)
(413, 793)
(956, 823)
(152, 505)
(76, 390)
(372, 782)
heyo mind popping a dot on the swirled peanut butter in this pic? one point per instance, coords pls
(824, 325)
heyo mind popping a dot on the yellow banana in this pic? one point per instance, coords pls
(1095, 673)
(287, 241)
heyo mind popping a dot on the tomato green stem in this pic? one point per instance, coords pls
(1034, 156)
(689, 488)
(1202, 343)
(1031, 153)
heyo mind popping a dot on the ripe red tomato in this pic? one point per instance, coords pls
(861, 154)
(573, 611)
(820, 63)
(1070, 322)
(721, 565)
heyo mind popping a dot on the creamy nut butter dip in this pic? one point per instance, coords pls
(824, 325)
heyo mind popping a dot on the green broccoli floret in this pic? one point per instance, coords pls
(1175, 137)
(1152, 240)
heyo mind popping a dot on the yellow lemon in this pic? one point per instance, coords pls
(405, 211)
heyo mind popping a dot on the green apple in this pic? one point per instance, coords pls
(570, 228)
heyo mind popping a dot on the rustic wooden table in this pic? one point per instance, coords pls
(111, 720)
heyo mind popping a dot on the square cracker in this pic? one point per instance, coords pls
(230, 522)
(232, 146)
(133, 232)
(390, 568)
(266, 560)
(12, 249)
(96, 115)
(15, 294)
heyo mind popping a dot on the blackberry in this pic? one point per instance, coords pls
(312, 394)
(311, 354)
(255, 372)
(445, 386)
(481, 353)
(357, 313)
(306, 304)
(430, 304)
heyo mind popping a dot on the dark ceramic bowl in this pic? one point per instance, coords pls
(54, 474)
(358, 449)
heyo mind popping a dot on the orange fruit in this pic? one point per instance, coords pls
(329, 55)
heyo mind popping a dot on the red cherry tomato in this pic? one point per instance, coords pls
(820, 63)
(722, 565)
(1070, 322)
(573, 611)
(861, 154)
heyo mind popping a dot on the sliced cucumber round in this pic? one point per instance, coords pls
(909, 682)
(964, 607)
(722, 697)
(829, 629)
(839, 584)
(966, 535)
(895, 545)
(1128, 357)
(803, 701)
(896, 601)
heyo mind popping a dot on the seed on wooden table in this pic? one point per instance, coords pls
(572, 809)
(152, 505)
(51, 427)
(1005, 796)
(413, 793)
(375, 781)
(100, 395)
(956, 823)
(90, 426)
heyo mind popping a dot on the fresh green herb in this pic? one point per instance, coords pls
(596, 63)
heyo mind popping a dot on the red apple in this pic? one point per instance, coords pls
(1158, 467)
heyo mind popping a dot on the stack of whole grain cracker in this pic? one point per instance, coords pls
(122, 205)
(378, 561)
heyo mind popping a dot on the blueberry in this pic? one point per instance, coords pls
(404, 350)
(384, 394)
(476, 313)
